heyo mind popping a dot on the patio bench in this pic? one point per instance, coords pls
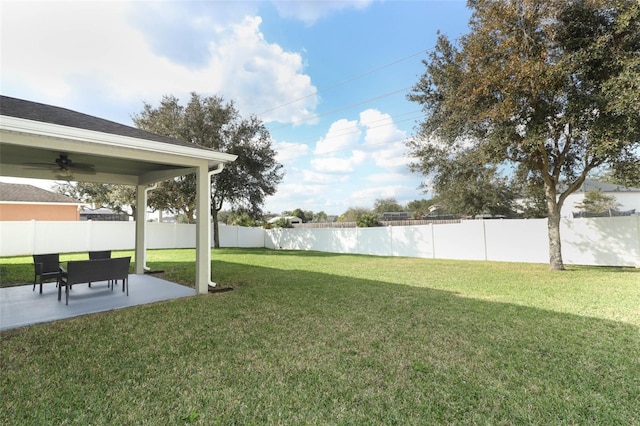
(88, 271)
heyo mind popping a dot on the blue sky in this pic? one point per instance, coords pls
(328, 78)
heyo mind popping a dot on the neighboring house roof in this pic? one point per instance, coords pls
(292, 219)
(100, 210)
(594, 185)
(35, 111)
(20, 193)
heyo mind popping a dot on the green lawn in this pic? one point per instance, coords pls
(320, 338)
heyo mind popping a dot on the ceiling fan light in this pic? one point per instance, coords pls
(64, 174)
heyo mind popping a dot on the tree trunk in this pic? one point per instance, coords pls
(553, 228)
(216, 234)
(555, 246)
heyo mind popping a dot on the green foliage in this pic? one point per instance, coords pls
(305, 216)
(548, 85)
(528, 187)
(352, 214)
(368, 220)
(212, 123)
(627, 172)
(283, 222)
(119, 198)
(466, 185)
(597, 202)
(382, 205)
(240, 218)
(419, 208)
(176, 196)
(319, 217)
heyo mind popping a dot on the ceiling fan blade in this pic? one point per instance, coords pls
(41, 165)
(83, 170)
(63, 167)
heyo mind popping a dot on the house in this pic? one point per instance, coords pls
(102, 213)
(395, 216)
(19, 202)
(291, 219)
(627, 197)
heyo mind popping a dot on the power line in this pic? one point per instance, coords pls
(386, 142)
(342, 83)
(315, 116)
(386, 121)
(364, 147)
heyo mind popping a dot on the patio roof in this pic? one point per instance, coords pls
(31, 132)
(34, 133)
(21, 306)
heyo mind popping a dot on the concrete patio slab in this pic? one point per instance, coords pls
(20, 306)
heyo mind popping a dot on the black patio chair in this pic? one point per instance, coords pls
(47, 267)
(97, 255)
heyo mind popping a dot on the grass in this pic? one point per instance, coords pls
(320, 338)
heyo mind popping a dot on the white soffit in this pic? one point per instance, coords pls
(23, 126)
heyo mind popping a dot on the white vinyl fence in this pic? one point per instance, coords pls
(595, 241)
(25, 238)
(585, 241)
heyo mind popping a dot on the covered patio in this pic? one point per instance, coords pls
(21, 306)
(49, 142)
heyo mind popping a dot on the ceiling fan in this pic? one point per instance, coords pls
(64, 168)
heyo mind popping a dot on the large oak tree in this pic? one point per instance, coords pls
(210, 122)
(551, 87)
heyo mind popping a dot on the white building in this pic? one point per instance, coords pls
(627, 197)
(292, 219)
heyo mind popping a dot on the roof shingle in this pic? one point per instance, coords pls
(15, 192)
(20, 108)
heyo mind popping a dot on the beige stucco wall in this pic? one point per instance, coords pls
(22, 212)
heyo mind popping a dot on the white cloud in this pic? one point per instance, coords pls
(342, 135)
(311, 10)
(378, 178)
(323, 178)
(380, 129)
(332, 165)
(289, 152)
(401, 193)
(61, 50)
(393, 157)
(384, 141)
(339, 165)
(262, 76)
(294, 195)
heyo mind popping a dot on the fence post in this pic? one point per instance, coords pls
(32, 238)
(484, 238)
(433, 242)
(638, 240)
(89, 234)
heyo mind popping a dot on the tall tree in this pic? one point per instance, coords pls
(352, 214)
(551, 86)
(424, 207)
(210, 122)
(598, 202)
(470, 186)
(390, 204)
(120, 198)
(319, 217)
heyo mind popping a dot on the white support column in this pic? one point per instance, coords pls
(203, 230)
(141, 209)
